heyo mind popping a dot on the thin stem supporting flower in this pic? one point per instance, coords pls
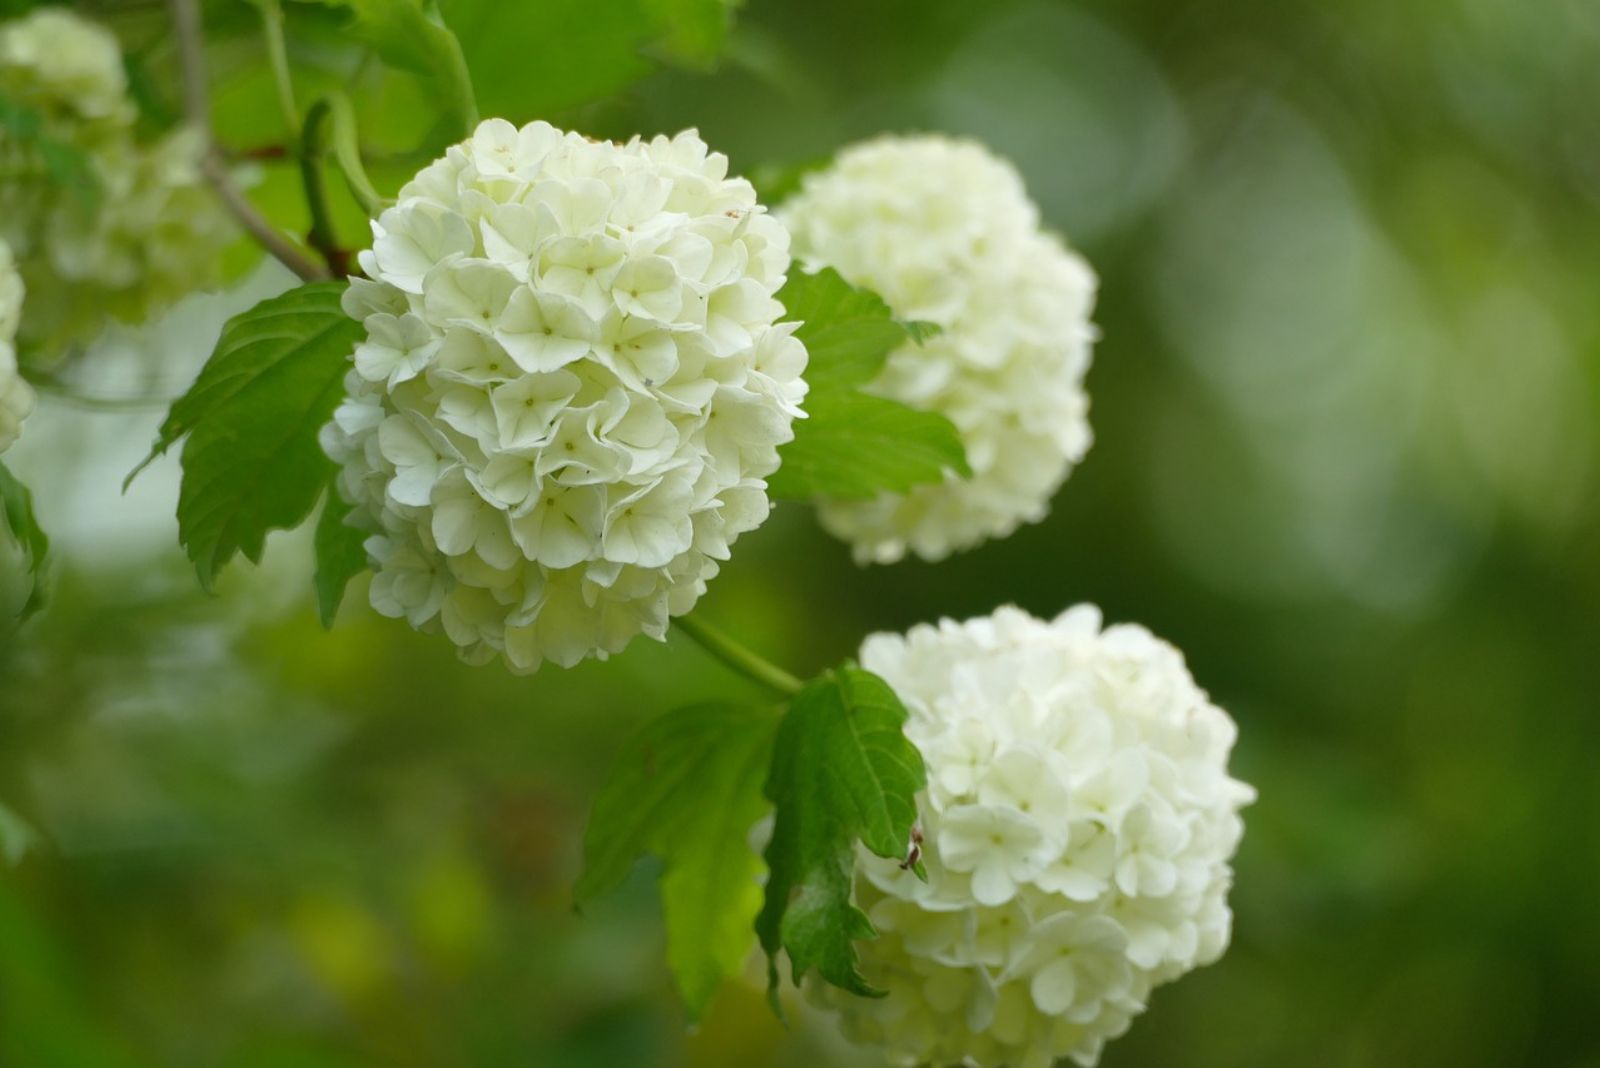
(747, 663)
(197, 110)
(335, 111)
(278, 60)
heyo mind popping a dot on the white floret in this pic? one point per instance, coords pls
(1077, 829)
(945, 232)
(572, 389)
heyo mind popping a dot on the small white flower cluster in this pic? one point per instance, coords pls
(101, 224)
(945, 232)
(16, 397)
(1077, 825)
(572, 389)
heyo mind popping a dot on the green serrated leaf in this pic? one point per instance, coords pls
(411, 37)
(688, 789)
(854, 446)
(842, 772)
(848, 331)
(16, 508)
(252, 463)
(340, 555)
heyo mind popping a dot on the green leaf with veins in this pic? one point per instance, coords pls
(842, 772)
(853, 444)
(252, 463)
(688, 789)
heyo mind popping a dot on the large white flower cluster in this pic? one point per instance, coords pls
(101, 224)
(572, 389)
(1077, 825)
(945, 232)
(16, 397)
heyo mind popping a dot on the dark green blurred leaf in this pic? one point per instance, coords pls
(16, 507)
(688, 789)
(842, 771)
(252, 463)
(536, 60)
(404, 35)
(16, 837)
(695, 30)
(340, 555)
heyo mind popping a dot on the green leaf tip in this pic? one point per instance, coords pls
(842, 773)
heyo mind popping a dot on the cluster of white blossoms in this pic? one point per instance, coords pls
(101, 224)
(1078, 824)
(16, 397)
(945, 233)
(572, 389)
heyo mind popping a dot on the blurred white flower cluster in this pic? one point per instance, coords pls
(571, 391)
(945, 232)
(16, 397)
(101, 224)
(1078, 823)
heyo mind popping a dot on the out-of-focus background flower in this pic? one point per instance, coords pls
(1346, 458)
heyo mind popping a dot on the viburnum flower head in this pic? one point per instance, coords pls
(1077, 828)
(66, 67)
(102, 224)
(944, 231)
(16, 396)
(572, 388)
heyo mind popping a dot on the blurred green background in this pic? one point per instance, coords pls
(1346, 418)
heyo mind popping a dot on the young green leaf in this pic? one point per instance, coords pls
(340, 555)
(688, 789)
(842, 772)
(848, 332)
(853, 444)
(252, 463)
(16, 509)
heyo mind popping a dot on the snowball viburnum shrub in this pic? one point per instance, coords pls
(16, 396)
(572, 388)
(101, 224)
(1078, 823)
(945, 233)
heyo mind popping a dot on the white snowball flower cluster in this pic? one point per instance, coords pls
(101, 224)
(16, 397)
(1077, 825)
(945, 232)
(572, 389)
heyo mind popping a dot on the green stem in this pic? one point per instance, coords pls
(322, 236)
(190, 36)
(278, 60)
(736, 656)
(335, 108)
